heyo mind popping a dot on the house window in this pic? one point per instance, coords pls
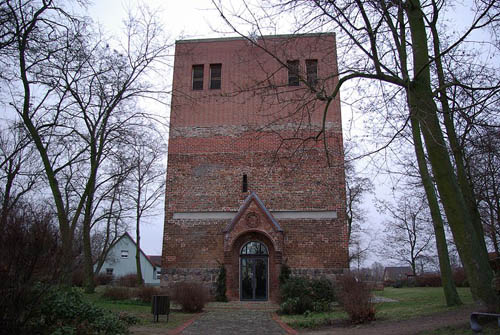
(215, 76)
(197, 77)
(312, 71)
(293, 72)
(124, 253)
(109, 271)
(158, 274)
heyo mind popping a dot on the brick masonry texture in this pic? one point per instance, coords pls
(257, 126)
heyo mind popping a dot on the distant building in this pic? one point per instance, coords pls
(237, 193)
(121, 261)
(395, 273)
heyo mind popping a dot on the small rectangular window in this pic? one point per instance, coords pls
(124, 253)
(215, 76)
(293, 72)
(197, 77)
(245, 184)
(312, 71)
(109, 271)
(158, 274)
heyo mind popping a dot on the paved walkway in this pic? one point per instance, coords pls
(221, 322)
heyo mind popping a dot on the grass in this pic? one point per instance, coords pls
(140, 310)
(416, 301)
(488, 329)
(411, 302)
(314, 320)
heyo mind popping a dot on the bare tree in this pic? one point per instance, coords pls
(110, 217)
(356, 189)
(387, 42)
(75, 102)
(409, 231)
(19, 169)
(483, 163)
(146, 182)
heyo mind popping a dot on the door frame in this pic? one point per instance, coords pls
(265, 258)
(266, 261)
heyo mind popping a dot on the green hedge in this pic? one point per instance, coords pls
(300, 295)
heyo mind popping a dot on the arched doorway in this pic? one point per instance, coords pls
(254, 271)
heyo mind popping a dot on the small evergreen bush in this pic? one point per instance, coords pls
(299, 295)
(220, 293)
(191, 296)
(356, 299)
(64, 311)
(284, 274)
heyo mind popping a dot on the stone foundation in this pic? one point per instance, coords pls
(205, 276)
(329, 273)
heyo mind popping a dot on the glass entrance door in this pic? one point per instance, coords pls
(253, 278)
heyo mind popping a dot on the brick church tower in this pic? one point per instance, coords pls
(249, 183)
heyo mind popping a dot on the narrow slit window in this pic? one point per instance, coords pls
(215, 76)
(245, 183)
(293, 72)
(197, 77)
(312, 71)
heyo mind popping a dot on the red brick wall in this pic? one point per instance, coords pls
(246, 127)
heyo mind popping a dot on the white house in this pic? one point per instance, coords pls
(121, 261)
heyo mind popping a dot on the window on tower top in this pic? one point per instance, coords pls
(215, 76)
(197, 77)
(293, 72)
(312, 71)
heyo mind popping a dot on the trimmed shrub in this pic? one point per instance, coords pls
(356, 299)
(116, 293)
(460, 278)
(299, 295)
(103, 279)
(146, 293)
(129, 280)
(191, 296)
(220, 292)
(429, 280)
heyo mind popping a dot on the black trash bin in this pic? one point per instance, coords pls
(160, 306)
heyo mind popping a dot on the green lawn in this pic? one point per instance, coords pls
(415, 301)
(488, 329)
(411, 302)
(140, 310)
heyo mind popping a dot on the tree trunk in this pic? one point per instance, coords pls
(140, 281)
(473, 255)
(456, 149)
(87, 247)
(449, 288)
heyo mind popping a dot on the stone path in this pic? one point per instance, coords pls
(221, 322)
